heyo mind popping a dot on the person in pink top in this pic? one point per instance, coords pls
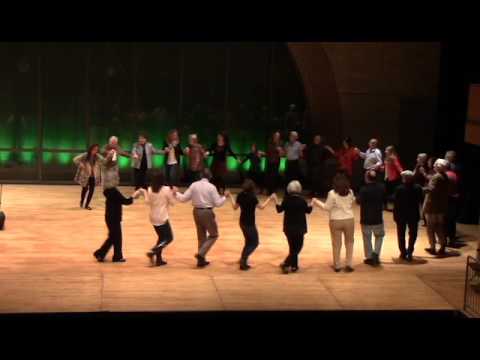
(393, 169)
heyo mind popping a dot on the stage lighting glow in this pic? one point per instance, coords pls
(158, 161)
(47, 157)
(4, 157)
(28, 157)
(65, 158)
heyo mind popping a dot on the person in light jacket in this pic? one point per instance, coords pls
(142, 152)
(88, 173)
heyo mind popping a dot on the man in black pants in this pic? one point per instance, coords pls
(113, 219)
(142, 153)
(408, 198)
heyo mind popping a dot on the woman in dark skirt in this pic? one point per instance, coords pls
(219, 151)
(294, 223)
(247, 202)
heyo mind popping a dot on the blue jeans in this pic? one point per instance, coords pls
(172, 174)
(251, 240)
(379, 232)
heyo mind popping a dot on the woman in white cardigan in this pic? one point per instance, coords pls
(339, 204)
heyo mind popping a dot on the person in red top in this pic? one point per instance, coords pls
(452, 212)
(393, 169)
(347, 156)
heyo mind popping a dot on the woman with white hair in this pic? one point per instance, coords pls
(339, 205)
(294, 223)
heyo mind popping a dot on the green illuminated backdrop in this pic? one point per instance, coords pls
(56, 98)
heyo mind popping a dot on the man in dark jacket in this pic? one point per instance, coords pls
(435, 207)
(113, 218)
(371, 198)
(408, 198)
(317, 154)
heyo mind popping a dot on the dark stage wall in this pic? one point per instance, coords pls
(55, 98)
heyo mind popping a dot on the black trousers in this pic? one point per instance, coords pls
(295, 245)
(172, 174)
(293, 171)
(452, 214)
(140, 178)
(114, 239)
(317, 179)
(412, 236)
(257, 178)
(90, 189)
(165, 237)
(390, 187)
(272, 177)
(251, 241)
(193, 175)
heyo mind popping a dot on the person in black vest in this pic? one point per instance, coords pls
(294, 223)
(255, 170)
(317, 154)
(371, 199)
(113, 218)
(407, 199)
(247, 202)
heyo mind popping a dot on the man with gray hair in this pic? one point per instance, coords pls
(204, 197)
(407, 200)
(293, 150)
(435, 207)
(372, 157)
(110, 172)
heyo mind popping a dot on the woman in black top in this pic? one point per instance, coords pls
(220, 150)
(113, 218)
(247, 202)
(255, 171)
(294, 223)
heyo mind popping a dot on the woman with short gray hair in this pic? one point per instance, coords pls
(294, 223)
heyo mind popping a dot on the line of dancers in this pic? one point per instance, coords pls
(430, 192)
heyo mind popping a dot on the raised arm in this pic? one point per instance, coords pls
(157, 151)
(79, 158)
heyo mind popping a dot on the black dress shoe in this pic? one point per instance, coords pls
(403, 256)
(431, 251)
(337, 269)
(119, 260)
(441, 252)
(284, 268)
(294, 269)
(369, 262)
(409, 257)
(151, 257)
(244, 266)
(349, 269)
(88, 208)
(201, 262)
(97, 256)
(160, 263)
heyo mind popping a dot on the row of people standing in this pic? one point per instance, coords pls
(90, 165)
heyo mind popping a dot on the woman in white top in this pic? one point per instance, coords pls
(339, 205)
(159, 197)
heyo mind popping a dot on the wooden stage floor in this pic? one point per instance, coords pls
(47, 265)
